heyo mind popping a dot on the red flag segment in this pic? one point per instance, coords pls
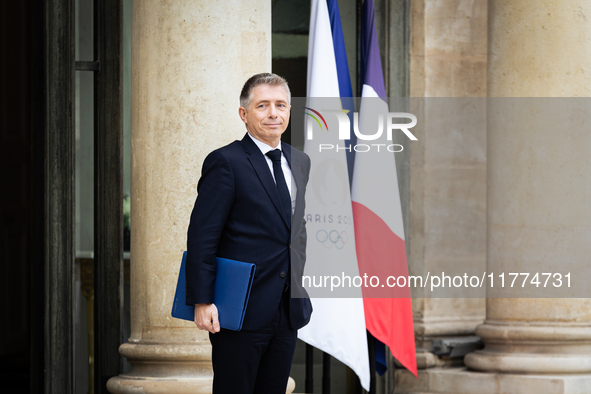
(388, 309)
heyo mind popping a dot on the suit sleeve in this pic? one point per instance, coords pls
(300, 238)
(215, 197)
(304, 235)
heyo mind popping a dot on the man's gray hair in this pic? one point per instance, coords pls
(261, 79)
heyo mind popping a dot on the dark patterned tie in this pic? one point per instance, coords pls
(275, 156)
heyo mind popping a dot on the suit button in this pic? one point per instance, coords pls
(282, 274)
(290, 246)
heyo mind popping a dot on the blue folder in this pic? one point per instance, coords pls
(233, 281)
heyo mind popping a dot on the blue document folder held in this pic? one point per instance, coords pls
(231, 291)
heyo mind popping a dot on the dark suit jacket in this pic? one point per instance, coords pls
(238, 215)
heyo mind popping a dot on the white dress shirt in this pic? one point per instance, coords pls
(284, 167)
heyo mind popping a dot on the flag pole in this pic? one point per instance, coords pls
(325, 373)
(359, 82)
(371, 344)
(309, 368)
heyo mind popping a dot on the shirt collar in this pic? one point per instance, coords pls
(264, 147)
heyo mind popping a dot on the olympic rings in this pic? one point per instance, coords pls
(335, 239)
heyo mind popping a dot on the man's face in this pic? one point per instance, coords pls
(267, 115)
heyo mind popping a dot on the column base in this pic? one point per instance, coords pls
(129, 385)
(529, 363)
(532, 349)
(124, 384)
(167, 368)
(462, 381)
(164, 368)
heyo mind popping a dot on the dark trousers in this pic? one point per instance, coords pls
(255, 362)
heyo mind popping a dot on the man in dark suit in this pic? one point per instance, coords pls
(250, 208)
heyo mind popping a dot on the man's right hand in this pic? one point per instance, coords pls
(206, 317)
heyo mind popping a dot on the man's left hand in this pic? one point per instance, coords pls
(206, 317)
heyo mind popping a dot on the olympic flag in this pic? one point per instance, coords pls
(337, 325)
(377, 213)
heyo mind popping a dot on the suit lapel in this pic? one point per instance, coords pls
(296, 172)
(259, 163)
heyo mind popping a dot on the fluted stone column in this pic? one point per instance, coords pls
(189, 62)
(539, 211)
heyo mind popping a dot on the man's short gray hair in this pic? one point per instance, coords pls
(261, 79)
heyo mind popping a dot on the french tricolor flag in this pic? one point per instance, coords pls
(377, 214)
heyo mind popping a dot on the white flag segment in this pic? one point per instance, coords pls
(337, 325)
(377, 191)
(322, 67)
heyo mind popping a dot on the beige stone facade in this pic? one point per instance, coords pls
(535, 49)
(183, 51)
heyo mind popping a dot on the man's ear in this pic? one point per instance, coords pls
(242, 114)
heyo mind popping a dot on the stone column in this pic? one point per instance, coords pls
(447, 166)
(539, 212)
(189, 62)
